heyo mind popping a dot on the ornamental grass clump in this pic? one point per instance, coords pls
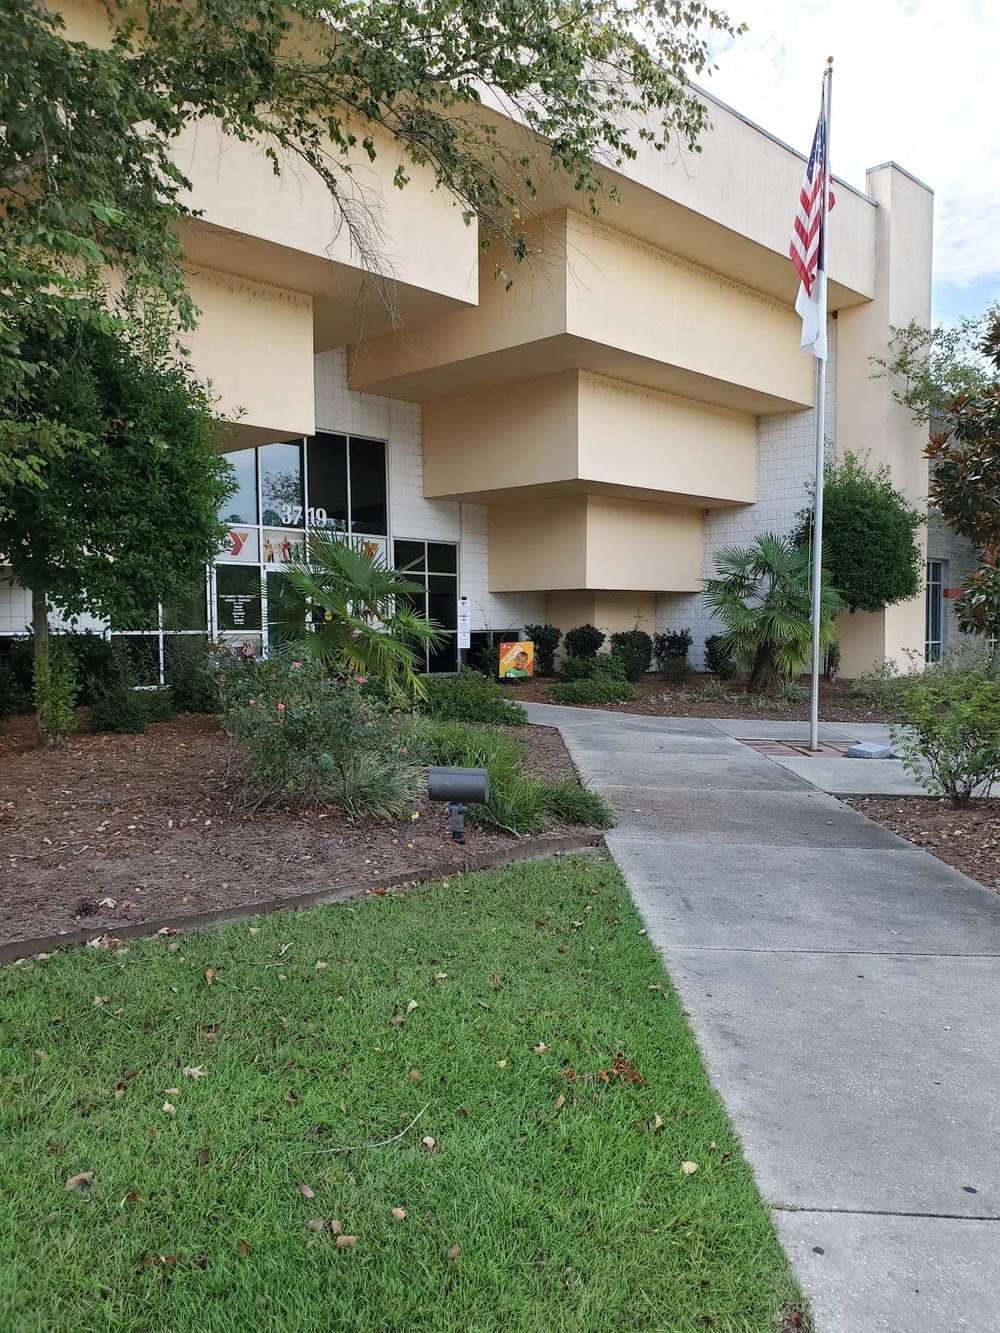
(310, 739)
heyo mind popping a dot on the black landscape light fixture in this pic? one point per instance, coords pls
(460, 787)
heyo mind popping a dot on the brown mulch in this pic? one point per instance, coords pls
(655, 698)
(145, 824)
(967, 839)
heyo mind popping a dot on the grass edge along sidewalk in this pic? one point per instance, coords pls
(473, 1105)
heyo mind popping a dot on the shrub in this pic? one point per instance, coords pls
(157, 704)
(571, 803)
(470, 697)
(606, 666)
(93, 658)
(575, 668)
(117, 705)
(950, 737)
(516, 803)
(311, 740)
(546, 640)
(599, 690)
(881, 688)
(676, 670)
(192, 673)
(870, 550)
(634, 648)
(672, 643)
(584, 641)
(719, 657)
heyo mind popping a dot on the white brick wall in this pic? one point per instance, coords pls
(339, 408)
(15, 612)
(786, 463)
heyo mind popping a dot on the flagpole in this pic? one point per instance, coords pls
(817, 564)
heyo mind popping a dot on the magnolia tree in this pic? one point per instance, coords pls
(952, 378)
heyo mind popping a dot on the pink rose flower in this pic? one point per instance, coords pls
(362, 680)
(296, 664)
(281, 708)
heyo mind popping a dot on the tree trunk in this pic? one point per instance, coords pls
(765, 678)
(47, 739)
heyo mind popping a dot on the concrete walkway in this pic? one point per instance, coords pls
(844, 987)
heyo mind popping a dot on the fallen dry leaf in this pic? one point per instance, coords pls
(560, 1102)
(496, 979)
(345, 1240)
(398, 1021)
(399, 1214)
(501, 1064)
(171, 1092)
(204, 1156)
(306, 1192)
(540, 1047)
(209, 975)
(411, 1006)
(689, 1168)
(335, 1226)
(316, 1224)
(453, 1253)
(242, 1248)
(80, 1181)
(430, 1144)
(320, 965)
(415, 1075)
(193, 1071)
(101, 999)
(169, 1109)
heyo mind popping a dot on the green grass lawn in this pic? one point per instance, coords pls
(438, 1053)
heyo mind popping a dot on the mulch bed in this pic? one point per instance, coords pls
(118, 830)
(967, 839)
(655, 698)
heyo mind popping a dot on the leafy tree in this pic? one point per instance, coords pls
(129, 517)
(761, 593)
(88, 178)
(361, 619)
(869, 548)
(930, 367)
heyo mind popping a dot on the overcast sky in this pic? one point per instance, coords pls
(915, 81)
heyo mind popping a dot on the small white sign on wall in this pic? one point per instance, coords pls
(464, 622)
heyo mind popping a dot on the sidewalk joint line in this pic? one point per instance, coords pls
(886, 1212)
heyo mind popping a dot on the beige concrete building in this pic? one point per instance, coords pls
(574, 449)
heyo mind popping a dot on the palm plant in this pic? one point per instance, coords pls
(343, 608)
(761, 593)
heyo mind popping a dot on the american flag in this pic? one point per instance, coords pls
(808, 247)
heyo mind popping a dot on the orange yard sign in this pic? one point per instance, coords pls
(517, 661)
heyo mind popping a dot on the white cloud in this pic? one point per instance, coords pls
(914, 82)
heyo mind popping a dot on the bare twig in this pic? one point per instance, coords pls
(382, 1142)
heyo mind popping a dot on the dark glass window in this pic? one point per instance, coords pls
(281, 486)
(237, 596)
(410, 556)
(241, 507)
(327, 459)
(443, 600)
(442, 557)
(433, 566)
(368, 507)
